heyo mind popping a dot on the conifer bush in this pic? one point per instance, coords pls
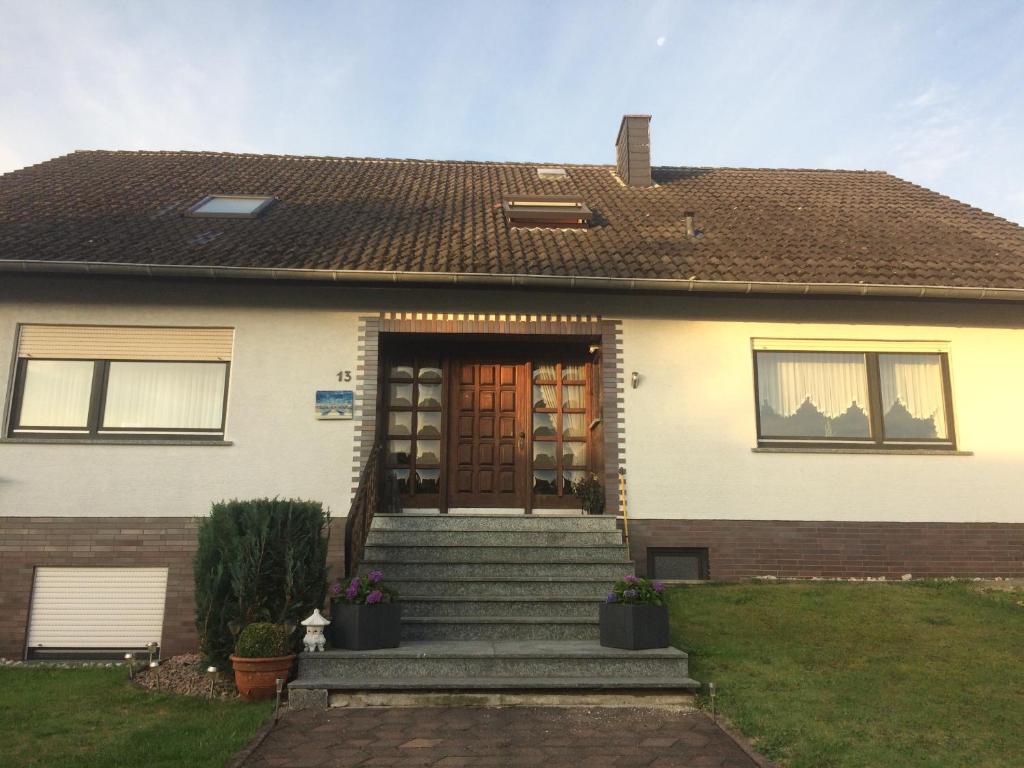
(261, 560)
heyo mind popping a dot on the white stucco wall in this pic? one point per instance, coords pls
(282, 355)
(689, 426)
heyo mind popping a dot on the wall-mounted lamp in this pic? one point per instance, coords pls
(594, 348)
(634, 379)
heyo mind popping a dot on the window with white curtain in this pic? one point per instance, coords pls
(107, 381)
(853, 397)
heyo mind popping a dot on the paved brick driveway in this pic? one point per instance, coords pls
(512, 736)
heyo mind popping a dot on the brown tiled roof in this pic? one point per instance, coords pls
(756, 225)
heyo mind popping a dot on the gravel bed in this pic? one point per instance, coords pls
(186, 674)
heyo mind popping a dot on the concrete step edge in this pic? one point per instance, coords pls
(498, 683)
(503, 579)
(405, 597)
(498, 620)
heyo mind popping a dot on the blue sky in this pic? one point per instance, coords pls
(930, 91)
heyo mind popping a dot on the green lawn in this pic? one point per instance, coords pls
(837, 675)
(81, 717)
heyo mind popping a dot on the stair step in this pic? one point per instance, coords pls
(425, 569)
(523, 522)
(498, 684)
(498, 628)
(464, 537)
(454, 553)
(509, 607)
(566, 659)
(564, 587)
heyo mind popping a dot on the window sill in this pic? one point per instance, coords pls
(110, 441)
(873, 451)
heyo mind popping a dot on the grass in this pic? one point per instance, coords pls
(83, 717)
(850, 675)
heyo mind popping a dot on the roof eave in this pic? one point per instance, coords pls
(625, 284)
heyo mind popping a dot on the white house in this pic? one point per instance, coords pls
(784, 372)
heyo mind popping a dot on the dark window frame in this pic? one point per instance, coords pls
(94, 429)
(877, 439)
(701, 553)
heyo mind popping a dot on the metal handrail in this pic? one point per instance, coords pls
(365, 504)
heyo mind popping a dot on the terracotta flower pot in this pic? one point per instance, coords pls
(256, 678)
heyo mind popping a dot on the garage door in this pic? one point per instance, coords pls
(90, 609)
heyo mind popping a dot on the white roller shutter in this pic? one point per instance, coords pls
(97, 607)
(133, 342)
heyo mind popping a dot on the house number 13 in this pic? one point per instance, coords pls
(344, 375)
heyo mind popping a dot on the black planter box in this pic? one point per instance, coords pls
(634, 627)
(364, 627)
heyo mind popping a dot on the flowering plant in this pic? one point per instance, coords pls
(363, 590)
(633, 590)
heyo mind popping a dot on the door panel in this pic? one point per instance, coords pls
(487, 439)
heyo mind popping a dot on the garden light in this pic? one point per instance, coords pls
(129, 659)
(212, 673)
(279, 687)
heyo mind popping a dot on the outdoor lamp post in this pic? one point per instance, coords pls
(314, 639)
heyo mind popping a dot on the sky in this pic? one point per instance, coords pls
(932, 92)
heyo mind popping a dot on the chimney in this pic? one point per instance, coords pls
(633, 150)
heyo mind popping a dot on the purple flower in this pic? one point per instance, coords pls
(612, 597)
(336, 588)
(630, 594)
(374, 597)
(376, 576)
(352, 591)
(630, 579)
(658, 587)
(354, 582)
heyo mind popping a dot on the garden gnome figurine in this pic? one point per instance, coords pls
(314, 639)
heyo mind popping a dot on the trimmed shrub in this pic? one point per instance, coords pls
(264, 640)
(263, 560)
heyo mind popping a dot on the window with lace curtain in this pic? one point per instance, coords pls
(560, 456)
(856, 397)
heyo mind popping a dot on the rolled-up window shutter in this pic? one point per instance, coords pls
(112, 342)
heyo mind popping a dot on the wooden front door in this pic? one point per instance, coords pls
(487, 434)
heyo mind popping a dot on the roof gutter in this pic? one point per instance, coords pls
(517, 280)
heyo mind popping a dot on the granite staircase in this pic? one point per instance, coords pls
(496, 603)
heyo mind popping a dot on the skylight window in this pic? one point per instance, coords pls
(558, 211)
(551, 173)
(231, 206)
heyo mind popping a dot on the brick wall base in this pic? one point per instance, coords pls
(746, 548)
(28, 542)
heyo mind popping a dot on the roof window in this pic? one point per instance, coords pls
(552, 173)
(559, 211)
(231, 206)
